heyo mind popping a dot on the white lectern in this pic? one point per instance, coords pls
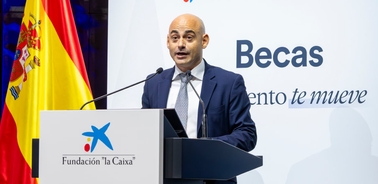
(130, 146)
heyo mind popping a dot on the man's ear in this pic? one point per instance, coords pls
(205, 41)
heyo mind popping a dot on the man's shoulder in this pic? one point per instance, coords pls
(218, 71)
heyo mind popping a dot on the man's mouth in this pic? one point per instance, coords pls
(181, 54)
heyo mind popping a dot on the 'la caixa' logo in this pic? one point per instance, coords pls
(98, 134)
(95, 136)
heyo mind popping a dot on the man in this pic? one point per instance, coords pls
(223, 93)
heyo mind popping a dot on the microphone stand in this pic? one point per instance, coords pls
(158, 71)
(204, 117)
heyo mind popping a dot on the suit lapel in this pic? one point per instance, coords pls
(164, 87)
(208, 86)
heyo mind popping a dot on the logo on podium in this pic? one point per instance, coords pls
(95, 136)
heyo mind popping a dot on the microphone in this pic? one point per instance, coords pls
(158, 71)
(204, 116)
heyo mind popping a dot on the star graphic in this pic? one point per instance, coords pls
(99, 134)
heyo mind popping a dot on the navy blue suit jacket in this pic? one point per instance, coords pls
(226, 102)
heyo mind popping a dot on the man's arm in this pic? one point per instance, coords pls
(243, 130)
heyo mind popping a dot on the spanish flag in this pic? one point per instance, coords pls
(48, 73)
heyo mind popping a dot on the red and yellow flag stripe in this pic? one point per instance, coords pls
(48, 74)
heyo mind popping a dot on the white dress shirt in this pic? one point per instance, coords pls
(193, 101)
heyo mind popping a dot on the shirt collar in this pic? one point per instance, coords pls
(197, 72)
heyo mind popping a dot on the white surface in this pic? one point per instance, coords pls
(136, 137)
(301, 143)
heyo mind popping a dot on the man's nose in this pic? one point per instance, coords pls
(181, 43)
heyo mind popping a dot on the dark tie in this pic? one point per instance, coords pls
(181, 105)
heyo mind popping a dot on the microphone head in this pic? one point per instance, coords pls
(159, 70)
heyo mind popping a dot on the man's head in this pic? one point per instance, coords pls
(185, 40)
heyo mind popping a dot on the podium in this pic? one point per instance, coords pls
(130, 146)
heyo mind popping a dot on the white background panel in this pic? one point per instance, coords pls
(301, 143)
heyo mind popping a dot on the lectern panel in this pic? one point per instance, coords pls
(101, 146)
